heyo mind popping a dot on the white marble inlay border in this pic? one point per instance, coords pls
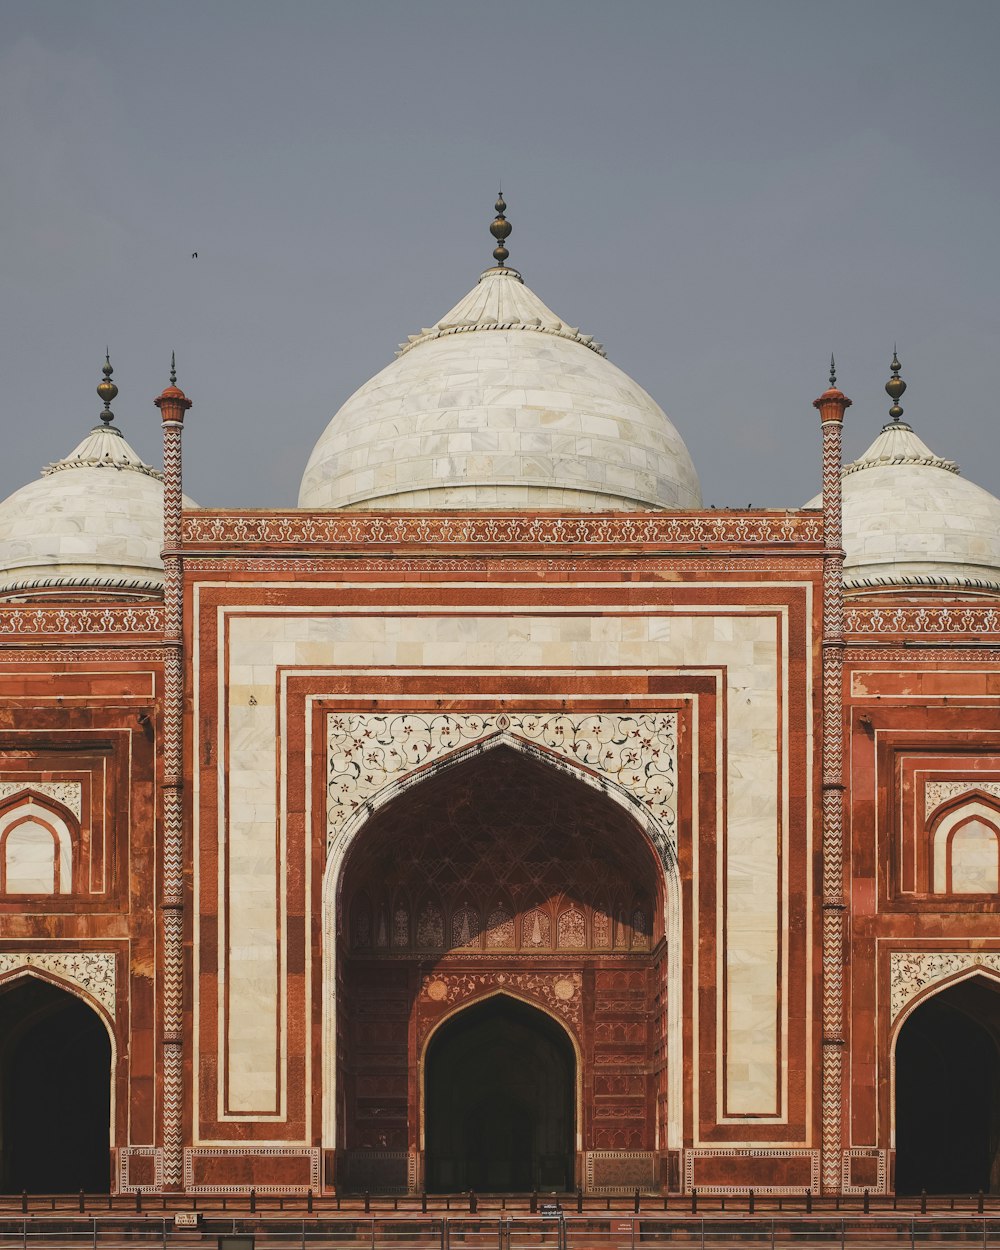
(93, 971)
(68, 793)
(911, 972)
(938, 792)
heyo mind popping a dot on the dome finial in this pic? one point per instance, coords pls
(500, 228)
(895, 387)
(833, 372)
(107, 390)
(173, 369)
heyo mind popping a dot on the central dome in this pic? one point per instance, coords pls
(500, 405)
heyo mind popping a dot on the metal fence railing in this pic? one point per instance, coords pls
(558, 1231)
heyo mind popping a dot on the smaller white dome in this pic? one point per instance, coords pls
(911, 520)
(93, 520)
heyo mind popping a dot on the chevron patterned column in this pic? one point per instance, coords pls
(832, 405)
(172, 403)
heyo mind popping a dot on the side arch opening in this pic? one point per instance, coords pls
(947, 1091)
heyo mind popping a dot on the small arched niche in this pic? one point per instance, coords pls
(965, 854)
(36, 846)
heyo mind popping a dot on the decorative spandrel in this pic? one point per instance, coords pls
(368, 754)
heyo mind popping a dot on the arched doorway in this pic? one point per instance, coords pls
(948, 1092)
(500, 873)
(499, 1081)
(55, 1091)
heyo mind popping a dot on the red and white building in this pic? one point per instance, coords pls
(499, 817)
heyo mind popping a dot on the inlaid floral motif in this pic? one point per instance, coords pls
(910, 972)
(368, 752)
(68, 793)
(92, 971)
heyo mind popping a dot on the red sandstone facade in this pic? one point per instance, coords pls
(361, 775)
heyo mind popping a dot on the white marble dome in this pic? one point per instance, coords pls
(500, 405)
(92, 522)
(910, 520)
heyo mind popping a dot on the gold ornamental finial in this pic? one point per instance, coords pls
(107, 390)
(500, 228)
(895, 387)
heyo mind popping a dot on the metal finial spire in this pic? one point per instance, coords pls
(107, 390)
(173, 369)
(895, 387)
(500, 228)
(833, 372)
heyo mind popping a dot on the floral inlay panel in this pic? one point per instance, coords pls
(561, 992)
(938, 792)
(92, 971)
(68, 793)
(369, 752)
(910, 972)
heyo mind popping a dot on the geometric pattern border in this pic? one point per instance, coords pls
(881, 1172)
(764, 1152)
(299, 529)
(310, 1153)
(125, 1154)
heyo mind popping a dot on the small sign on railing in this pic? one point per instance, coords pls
(186, 1219)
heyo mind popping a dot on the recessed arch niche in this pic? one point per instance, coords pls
(497, 870)
(499, 1099)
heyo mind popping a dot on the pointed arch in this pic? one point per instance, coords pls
(74, 1009)
(965, 845)
(513, 996)
(944, 1081)
(656, 837)
(39, 844)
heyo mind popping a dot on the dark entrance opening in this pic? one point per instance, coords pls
(55, 1092)
(948, 1093)
(499, 1081)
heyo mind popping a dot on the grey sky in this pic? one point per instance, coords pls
(720, 192)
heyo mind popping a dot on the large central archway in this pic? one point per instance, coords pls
(503, 880)
(55, 1091)
(948, 1092)
(499, 1080)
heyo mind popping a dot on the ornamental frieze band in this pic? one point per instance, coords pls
(366, 530)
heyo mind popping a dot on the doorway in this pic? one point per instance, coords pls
(55, 1092)
(499, 1101)
(948, 1093)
